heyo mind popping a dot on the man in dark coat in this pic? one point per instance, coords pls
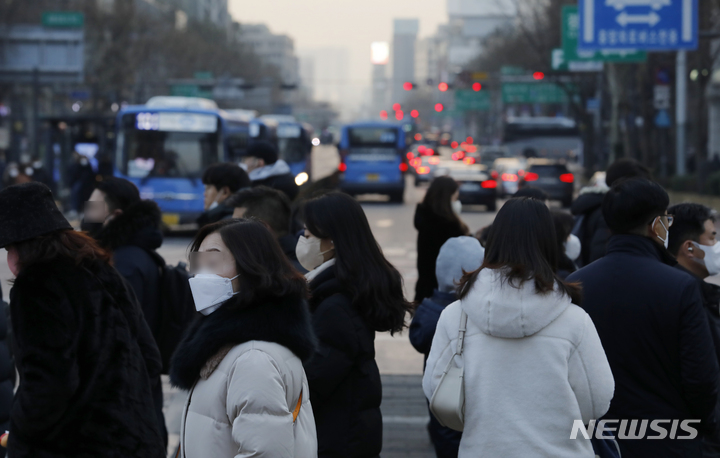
(590, 225)
(266, 169)
(83, 350)
(344, 379)
(652, 324)
(221, 181)
(693, 242)
(129, 228)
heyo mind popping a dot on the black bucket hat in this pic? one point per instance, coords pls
(27, 211)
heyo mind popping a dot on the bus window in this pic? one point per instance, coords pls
(174, 147)
(237, 143)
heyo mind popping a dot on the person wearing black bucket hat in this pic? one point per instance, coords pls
(83, 351)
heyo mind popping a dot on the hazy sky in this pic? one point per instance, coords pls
(350, 24)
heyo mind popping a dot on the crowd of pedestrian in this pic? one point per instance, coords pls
(600, 320)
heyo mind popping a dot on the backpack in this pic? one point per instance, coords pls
(177, 309)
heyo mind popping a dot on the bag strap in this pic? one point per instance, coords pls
(296, 412)
(461, 333)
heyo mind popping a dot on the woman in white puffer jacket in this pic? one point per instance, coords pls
(243, 360)
(533, 360)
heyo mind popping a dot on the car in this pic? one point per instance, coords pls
(477, 187)
(552, 177)
(423, 167)
(509, 172)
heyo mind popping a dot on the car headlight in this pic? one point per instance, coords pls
(301, 178)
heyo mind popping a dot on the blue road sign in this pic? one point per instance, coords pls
(651, 25)
(662, 119)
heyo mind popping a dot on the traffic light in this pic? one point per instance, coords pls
(439, 107)
(443, 87)
(396, 106)
(539, 75)
(383, 115)
(414, 113)
(476, 87)
(399, 115)
(408, 86)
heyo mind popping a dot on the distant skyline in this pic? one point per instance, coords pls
(349, 24)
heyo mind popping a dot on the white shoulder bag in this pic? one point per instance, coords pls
(448, 400)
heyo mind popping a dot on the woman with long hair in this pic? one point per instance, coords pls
(532, 359)
(355, 292)
(83, 351)
(242, 359)
(437, 219)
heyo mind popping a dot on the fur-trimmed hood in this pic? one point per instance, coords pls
(139, 225)
(285, 321)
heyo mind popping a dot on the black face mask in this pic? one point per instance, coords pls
(93, 229)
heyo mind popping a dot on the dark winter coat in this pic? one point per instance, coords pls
(132, 237)
(7, 372)
(214, 215)
(592, 230)
(345, 386)
(655, 332)
(284, 183)
(433, 232)
(85, 358)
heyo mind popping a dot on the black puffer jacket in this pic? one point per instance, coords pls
(593, 231)
(85, 358)
(433, 232)
(345, 386)
(7, 372)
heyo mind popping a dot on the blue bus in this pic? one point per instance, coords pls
(294, 143)
(165, 145)
(373, 160)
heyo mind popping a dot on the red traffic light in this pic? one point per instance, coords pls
(476, 87)
(539, 75)
(396, 106)
(469, 140)
(383, 115)
(414, 113)
(399, 115)
(408, 86)
(439, 107)
(443, 87)
(454, 145)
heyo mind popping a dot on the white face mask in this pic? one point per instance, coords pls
(308, 252)
(666, 240)
(213, 205)
(457, 206)
(712, 257)
(209, 291)
(573, 247)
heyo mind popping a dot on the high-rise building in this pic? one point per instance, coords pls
(214, 11)
(470, 22)
(403, 56)
(276, 50)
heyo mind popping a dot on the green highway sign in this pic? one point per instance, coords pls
(570, 34)
(63, 19)
(470, 100)
(189, 90)
(559, 63)
(203, 75)
(533, 93)
(508, 70)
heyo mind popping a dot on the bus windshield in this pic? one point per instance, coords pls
(373, 136)
(175, 145)
(292, 149)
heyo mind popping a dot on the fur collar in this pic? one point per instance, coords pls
(138, 225)
(285, 321)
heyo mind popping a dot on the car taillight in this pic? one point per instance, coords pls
(423, 170)
(429, 152)
(417, 162)
(509, 177)
(469, 160)
(342, 167)
(434, 160)
(521, 173)
(403, 167)
(489, 184)
(567, 178)
(494, 174)
(410, 155)
(530, 176)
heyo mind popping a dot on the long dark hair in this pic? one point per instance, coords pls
(522, 239)
(374, 284)
(265, 273)
(79, 247)
(438, 198)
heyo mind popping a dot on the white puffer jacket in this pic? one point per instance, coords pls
(243, 405)
(533, 364)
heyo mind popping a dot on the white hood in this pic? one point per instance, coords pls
(278, 168)
(501, 310)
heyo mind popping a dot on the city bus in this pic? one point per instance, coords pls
(164, 146)
(373, 159)
(553, 138)
(294, 143)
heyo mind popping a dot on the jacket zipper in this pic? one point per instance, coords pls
(184, 430)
